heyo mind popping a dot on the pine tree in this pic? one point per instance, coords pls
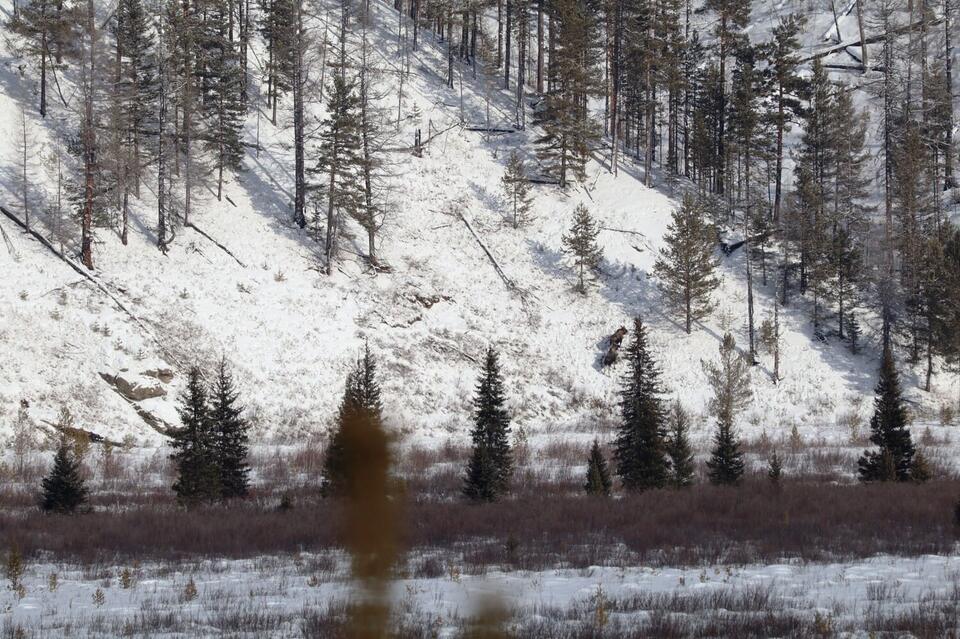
(373, 138)
(893, 458)
(491, 461)
(725, 466)
(678, 448)
(731, 391)
(194, 446)
(854, 332)
(782, 53)
(517, 189)
(568, 131)
(278, 24)
(687, 264)
(729, 380)
(813, 176)
(598, 482)
(775, 469)
(138, 78)
(64, 489)
(339, 160)
(640, 449)
(732, 18)
(46, 26)
(581, 242)
(230, 435)
(223, 106)
(359, 407)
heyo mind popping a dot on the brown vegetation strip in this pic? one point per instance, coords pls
(703, 524)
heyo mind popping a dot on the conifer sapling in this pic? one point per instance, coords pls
(64, 489)
(598, 476)
(581, 243)
(491, 460)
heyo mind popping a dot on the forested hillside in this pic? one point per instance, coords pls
(281, 182)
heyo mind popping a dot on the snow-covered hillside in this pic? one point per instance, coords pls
(291, 332)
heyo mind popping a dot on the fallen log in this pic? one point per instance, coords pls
(99, 285)
(503, 276)
(871, 40)
(215, 242)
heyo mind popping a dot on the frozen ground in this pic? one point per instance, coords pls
(291, 332)
(276, 596)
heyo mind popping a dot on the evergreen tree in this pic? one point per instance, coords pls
(687, 264)
(581, 242)
(338, 161)
(809, 228)
(729, 380)
(731, 391)
(775, 469)
(359, 407)
(725, 466)
(277, 26)
(598, 476)
(230, 435)
(569, 133)
(223, 103)
(640, 449)
(732, 18)
(678, 448)
(892, 461)
(46, 26)
(854, 332)
(194, 446)
(64, 489)
(373, 148)
(782, 53)
(138, 78)
(517, 189)
(491, 461)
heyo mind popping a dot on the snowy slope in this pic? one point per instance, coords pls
(291, 332)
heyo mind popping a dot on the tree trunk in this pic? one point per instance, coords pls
(540, 46)
(948, 180)
(299, 207)
(89, 146)
(506, 47)
(499, 33)
(43, 70)
(863, 38)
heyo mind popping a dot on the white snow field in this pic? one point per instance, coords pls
(278, 597)
(291, 332)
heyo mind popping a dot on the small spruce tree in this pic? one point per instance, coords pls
(360, 406)
(725, 466)
(854, 332)
(194, 452)
(230, 435)
(640, 449)
(678, 448)
(775, 469)
(731, 391)
(893, 459)
(581, 242)
(687, 264)
(64, 489)
(598, 476)
(491, 461)
(517, 189)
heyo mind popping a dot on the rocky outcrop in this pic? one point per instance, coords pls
(139, 386)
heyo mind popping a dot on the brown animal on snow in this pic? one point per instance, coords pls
(613, 346)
